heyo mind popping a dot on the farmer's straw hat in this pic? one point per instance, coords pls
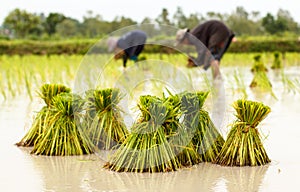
(112, 43)
(180, 35)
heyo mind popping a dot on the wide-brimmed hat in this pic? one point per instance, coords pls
(112, 43)
(180, 35)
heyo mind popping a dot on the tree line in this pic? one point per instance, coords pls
(21, 24)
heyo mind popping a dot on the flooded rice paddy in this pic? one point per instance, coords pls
(22, 171)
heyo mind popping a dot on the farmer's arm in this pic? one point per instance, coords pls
(215, 67)
(203, 55)
(208, 59)
(125, 57)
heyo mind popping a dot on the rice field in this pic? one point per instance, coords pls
(22, 76)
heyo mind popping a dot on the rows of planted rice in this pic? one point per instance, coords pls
(270, 73)
(22, 75)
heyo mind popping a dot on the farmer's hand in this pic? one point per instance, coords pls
(191, 63)
(119, 54)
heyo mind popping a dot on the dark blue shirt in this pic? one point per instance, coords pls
(130, 42)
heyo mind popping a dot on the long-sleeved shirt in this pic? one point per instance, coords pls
(215, 36)
(132, 43)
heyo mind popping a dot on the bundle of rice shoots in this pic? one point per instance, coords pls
(258, 65)
(179, 138)
(105, 125)
(62, 134)
(146, 149)
(277, 64)
(207, 140)
(47, 92)
(243, 146)
(173, 105)
(261, 80)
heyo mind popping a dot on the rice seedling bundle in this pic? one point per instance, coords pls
(47, 92)
(206, 137)
(171, 122)
(277, 64)
(179, 138)
(258, 65)
(243, 146)
(146, 149)
(62, 134)
(261, 80)
(105, 125)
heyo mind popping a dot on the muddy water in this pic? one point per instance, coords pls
(21, 171)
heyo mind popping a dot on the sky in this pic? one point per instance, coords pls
(139, 9)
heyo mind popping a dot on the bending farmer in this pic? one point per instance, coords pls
(215, 35)
(129, 46)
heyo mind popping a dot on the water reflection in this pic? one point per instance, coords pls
(246, 179)
(202, 177)
(85, 173)
(62, 173)
(269, 98)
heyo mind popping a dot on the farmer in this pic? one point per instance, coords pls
(128, 46)
(215, 35)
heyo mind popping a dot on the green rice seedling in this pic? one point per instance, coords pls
(258, 65)
(261, 80)
(289, 84)
(179, 138)
(105, 125)
(277, 64)
(27, 83)
(208, 84)
(146, 149)
(62, 134)
(19, 73)
(37, 128)
(173, 104)
(240, 83)
(47, 92)
(297, 84)
(243, 146)
(9, 83)
(206, 138)
(2, 87)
